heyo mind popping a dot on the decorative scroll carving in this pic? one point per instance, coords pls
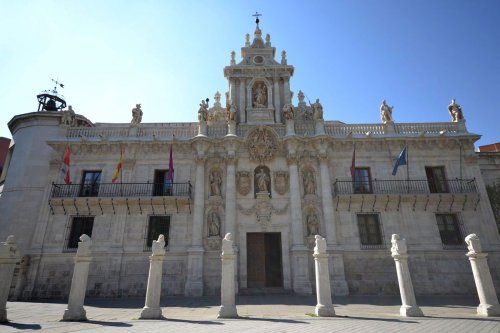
(281, 182)
(262, 144)
(243, 182)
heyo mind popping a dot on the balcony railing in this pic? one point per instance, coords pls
(412, 186)
(121, 190)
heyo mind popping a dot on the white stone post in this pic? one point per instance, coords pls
(488, 300)
(399, 252)
(227, 288)
(75, 310)
(300, 253)
(152, 309)
(9, 257)
(324, 308)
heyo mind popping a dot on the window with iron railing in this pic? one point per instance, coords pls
(90, 183)
(362, 180)
(370, 233)
(449, 230)
(436, 179)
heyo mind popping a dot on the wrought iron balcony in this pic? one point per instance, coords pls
(130, 190)
(412, 186)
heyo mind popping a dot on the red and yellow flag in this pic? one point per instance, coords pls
(65, 166)
(118, 169)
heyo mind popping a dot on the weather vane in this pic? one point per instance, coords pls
(256, 15)
(57, 83)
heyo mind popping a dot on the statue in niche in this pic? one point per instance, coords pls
(309, 182)
(386, 112)
(213, 224)
(260, 95)
(473, 244)
(215, 183)
(231, 111)
(312, 224)
(317, 110)
(288, 111)
(455, 111)
(203, 112)
(136, 115)
(398, 245)
(262, 180)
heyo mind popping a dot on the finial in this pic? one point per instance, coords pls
(256, 15)
(233, 56)
(283, 57)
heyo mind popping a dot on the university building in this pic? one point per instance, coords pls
(260, 164)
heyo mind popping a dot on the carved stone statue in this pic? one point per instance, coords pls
(203, 112)
(158, 247)
(288, 111)
(312, 224)
(262, 180)
(283, 57)
(247, 39)
(386, 112)
(232, 111)
(215, 183)
(136, 115)
(317, 110)
(233, 58)
(320, 244)
(213, 224)
(84, 246)
(268, 40)
(259, 95)
(473, 244)
(309, 182)
(398, 245)
(227, 244)
(455, 111)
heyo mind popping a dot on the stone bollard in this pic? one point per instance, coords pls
(488, 301)
(409, 307)
(9, 257)
(324, 308)
(152, 309)
(75, 310)
(227, 288)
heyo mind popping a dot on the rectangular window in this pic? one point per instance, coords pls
(161, 186)
(79, 225)
(369, 229)
(436, 179)
(157, 225)
(449, 229)
(90, 184)
(362, 181)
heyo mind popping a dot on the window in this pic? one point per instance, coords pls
(369, 229)
(449, 229)
(161, 186)
(436, 179)
(362, 181)
(79, 225)
(90, 183)
(157, 226)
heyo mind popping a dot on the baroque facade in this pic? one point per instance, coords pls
(271, 172)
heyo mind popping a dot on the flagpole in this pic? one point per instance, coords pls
(407, 169)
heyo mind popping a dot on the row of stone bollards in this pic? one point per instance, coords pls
(9, 257)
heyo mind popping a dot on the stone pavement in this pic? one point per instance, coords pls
(274, 313)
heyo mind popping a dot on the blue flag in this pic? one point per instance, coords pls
(400, 161)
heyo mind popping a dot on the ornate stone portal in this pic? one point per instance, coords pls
(262, 144)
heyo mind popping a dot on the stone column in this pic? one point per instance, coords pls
(324, 308)
(9, 257)
(152, 309)
(409, 307)
(300, 253)
(488, 301)
(194, 282)
(75, 310)
(241, 101)
(227, 289)
(277, 106)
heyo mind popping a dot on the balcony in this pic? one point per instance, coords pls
(140, 198)
(376, 195)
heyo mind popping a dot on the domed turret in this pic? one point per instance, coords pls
(51, 100)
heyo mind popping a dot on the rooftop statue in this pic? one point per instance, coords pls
(455, 111)
(136, 115)
(386, 112)
(203, 111)
(317, 110)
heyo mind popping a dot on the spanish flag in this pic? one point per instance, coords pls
(118, 169)
(65, 166)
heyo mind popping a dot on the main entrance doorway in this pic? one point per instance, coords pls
(264, 266)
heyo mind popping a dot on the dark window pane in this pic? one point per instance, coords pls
(369, 229)
(161, 186)
(362, 180)
(79, 225)
(436, 179)
(158, 225)
(90, 184)
(449, 229)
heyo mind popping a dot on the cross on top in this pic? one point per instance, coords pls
(256, 15)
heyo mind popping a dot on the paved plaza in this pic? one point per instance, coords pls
(274, 313)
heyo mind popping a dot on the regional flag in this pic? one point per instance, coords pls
(65, 166)
(170, 174)
(400, 161)
(118, 169)
(353, 164)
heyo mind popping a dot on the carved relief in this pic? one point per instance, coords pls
(262, 180)
(262, 144)
(309, 182)
(281, 182)
(215, 179)
(259, 95)
(243, 182)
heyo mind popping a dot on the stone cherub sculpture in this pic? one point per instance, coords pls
(213, 224)
(84, 246)
(203, 112)
(158, 246)
(473, 244)
(317, 110)
(227, 244)
(386, 112)
(398, 245)
(455, 111)
(136, 115)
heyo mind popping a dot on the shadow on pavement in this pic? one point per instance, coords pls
(202, 322)
(394, 320)
(108, 323)
(275, 320)
(20, 326)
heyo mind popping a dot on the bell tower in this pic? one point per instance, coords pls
(259, 86)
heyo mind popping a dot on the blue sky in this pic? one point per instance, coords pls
(169, 55)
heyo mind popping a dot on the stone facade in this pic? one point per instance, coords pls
(261, 164)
